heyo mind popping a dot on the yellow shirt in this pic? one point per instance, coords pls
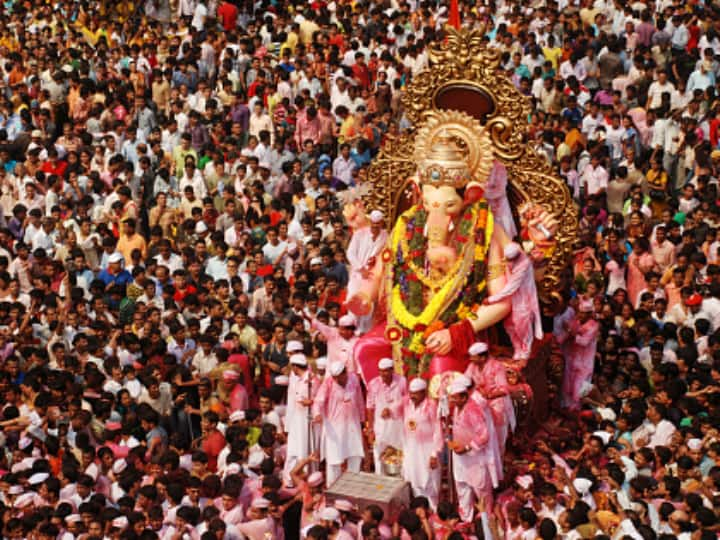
(179, 156)
(273, 100)
(307, 29)
(127, 244)
(346, 128)
(553, 55)
(10, 43)
(290, 43)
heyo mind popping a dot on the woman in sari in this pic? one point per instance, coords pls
(640, 262)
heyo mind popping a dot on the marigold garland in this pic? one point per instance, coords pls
(415, 319)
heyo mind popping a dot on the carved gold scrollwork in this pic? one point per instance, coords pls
(390, 175)
(532, 179)
(465, 74)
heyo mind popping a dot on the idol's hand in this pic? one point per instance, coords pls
(439, 342)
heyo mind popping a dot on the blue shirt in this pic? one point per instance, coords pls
(122, 278)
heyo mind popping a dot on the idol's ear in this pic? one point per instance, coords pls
(413, 191)
(473, 193)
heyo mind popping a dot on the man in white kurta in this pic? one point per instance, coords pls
(303, 386)
(385, 396)
(365, 244)
(492, 455)
(468, 444)
(422, 443)
(339, 405)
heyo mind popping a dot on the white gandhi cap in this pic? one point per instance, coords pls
(385, 363)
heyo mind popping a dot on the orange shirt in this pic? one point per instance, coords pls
(127, 244)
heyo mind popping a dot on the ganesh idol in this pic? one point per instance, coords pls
(443, 276)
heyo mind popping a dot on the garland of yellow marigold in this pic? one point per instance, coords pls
(410, 321)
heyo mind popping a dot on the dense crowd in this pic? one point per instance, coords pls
(175, 349)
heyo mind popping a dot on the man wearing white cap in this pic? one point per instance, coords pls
(523, 325)
(234, 395)
(302, 388)
(578, 338)
(488, 376)
(340, 341)
(114, 274)
(492, 455)
(469, 439)
(321, 367)
(362, 251)
(339, 405)
(422, 443)
(385, 396)
(330, 519)
(261, 524)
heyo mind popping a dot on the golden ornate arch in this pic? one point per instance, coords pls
(464, 74)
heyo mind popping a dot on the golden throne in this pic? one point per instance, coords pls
(465, 75)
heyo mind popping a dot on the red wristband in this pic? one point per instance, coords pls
(462, 335)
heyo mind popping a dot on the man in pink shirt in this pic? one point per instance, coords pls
(339, 405)
(238, 396)
(113, 430)
(340, 341)
(261, 525)
(524, 323)
(578, 340)
(662, 250)
(488, 376)
(469, 437)
(385, 396)
(231, 511)
(422, 443)
(307, 128)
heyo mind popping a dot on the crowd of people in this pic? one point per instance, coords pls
(175, 349)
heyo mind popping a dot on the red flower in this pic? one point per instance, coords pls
(419, 327)
(462, 239)
(467, 216)
(411, 277)
(393, 334)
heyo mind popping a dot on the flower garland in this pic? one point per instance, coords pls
(415, 319)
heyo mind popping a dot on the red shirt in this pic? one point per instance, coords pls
(212, 445)
(58, 169)
(180, 294)
(252, 89)
(714, 125)
(361, 74)
(337, 40)
(228, 13)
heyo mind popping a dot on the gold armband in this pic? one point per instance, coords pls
(495, 271)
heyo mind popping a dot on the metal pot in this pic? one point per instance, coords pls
(391, 469)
